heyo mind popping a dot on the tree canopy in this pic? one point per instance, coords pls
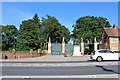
(54, 29)
(34, 33)
(89, 27)
(29, 34)
(9, 36)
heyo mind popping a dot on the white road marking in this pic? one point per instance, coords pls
(26, 77)
(67, 76)
(56, 64)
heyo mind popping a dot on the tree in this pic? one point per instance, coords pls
(89, 27)
(36, 20)
(29, 34)
(1, 38)
(53, 29)
(9, 37)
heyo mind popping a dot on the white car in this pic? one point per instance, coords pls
(104, 54)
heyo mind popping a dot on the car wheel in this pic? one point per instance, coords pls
(99, 59)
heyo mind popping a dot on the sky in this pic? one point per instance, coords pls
(13, 13)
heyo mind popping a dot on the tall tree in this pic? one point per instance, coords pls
(89, 27)
(9, 37)
(54, 29)
(29, 34)
(0, 37)
(36, 19)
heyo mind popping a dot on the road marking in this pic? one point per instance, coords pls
(67, 76)
(26, 77)
(56, 64)
(92, 76)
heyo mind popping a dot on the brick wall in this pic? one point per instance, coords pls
(20, 55)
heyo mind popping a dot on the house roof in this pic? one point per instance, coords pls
(112, 32)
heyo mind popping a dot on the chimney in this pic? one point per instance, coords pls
(114, 26)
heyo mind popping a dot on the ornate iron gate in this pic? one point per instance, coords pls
(56, 49)
(69, 49)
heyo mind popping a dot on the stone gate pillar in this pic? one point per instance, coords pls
(49, 46)
(76, 51)
(82, 46)
(95, 44)
(63, 46)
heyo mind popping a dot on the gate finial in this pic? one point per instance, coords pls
(81, 39)
(63, 40)
(95, 39)
(49, 39)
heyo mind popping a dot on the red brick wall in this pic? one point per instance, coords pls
(21, 55)
(112, 44)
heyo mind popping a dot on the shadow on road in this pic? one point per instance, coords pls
(108, 70)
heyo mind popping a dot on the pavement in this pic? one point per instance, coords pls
(51, 58)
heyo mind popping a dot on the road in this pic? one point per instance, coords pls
(81, 70)
(65, 70)
(62, 79)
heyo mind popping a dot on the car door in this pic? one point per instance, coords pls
(112, 55)
(115, 56)
(103, 54)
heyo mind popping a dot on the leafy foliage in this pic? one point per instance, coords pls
(9, 36)
(54, 29)
(89, 27)
(34, 33)
(29, 34)
(36, 20)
